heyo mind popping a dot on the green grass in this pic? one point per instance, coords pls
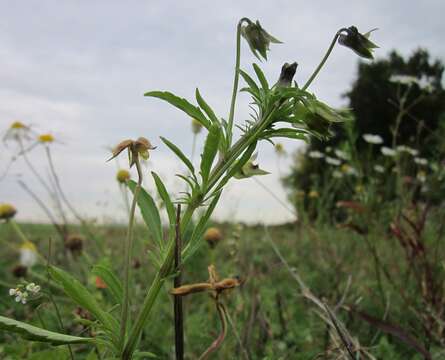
(271, 318)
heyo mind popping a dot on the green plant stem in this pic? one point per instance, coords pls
(127, 256)
(19, 231)
(323, 61)
(235, 81)
(220, 168)
(154, 289)
(177, 307)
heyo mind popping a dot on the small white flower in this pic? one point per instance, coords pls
(425, 83)
(420, 161)
(407, 149)
(372, 139)
(341, 154)
(403, 79)
(19, 295)
(316, 154)
(379, 168)
(388, 151)
(33, 288)
(421, 176)
(12, 292)
(337, 174)
(332, 161)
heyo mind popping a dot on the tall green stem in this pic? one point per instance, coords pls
(128, 251)
(323, 61)
(235, 81)
(154, 289)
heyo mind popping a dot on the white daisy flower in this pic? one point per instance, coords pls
(379, 168)
(403, 79)
(372, 139)
(316, 154)
(420, 161)
(388, 151)
(407, 149)
(337, 174)
(341, 154)
(333, 161)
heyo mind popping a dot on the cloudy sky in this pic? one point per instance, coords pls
(79, 70)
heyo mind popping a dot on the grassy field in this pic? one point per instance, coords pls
(270, 315)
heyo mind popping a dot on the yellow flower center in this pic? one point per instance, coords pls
(17, 125)
(46, 138)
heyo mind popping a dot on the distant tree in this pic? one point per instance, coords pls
(374, 101)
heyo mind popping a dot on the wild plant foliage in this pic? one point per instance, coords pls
(279, 109)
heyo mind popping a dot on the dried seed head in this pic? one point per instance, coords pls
(123, 176)
(213, 236)
(136, 148)
(7, 211)
(46, 138)
(74, 243)
(19, 271)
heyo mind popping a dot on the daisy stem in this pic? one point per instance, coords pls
(128, 250)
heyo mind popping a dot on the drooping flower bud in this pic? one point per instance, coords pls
(357, 42)
(257, 38)
(123, 176)
(7, 211)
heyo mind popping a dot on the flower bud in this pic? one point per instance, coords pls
(287, 74)
(213, 236)
(357, 42)
(7, 211)
(196, 126)
(123, 176)
(257, 38)
(74, 243)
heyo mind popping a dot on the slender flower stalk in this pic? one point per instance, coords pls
(128, 250)
(323, 60)
(235, 80)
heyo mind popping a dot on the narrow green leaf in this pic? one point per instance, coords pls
(35, 333)
(253, 87)
(114, 286)
(261, 77)
(163, 193)
(149, 212)
(204, 106)
(81, 296)
(210, 151)
(179, 154)
(182, 104)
